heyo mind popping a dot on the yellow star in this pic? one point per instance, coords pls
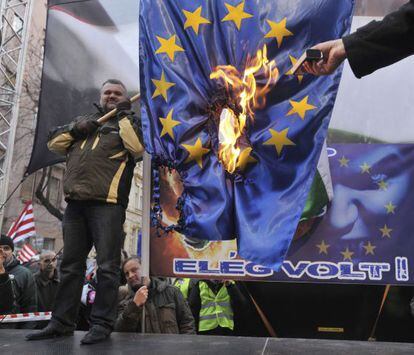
(385, 231)
(390, 208)
(279, 139)
(369, 248)
(293, 61)
(343, 161)
(168, 124)
(347, 254)
(245, 158)
(278, 30)
(236, 14)
(161, 86)
(196, 152)
(168, 46)
(365, 168)
(323, 248)
(194, 19)
(382, 185)
(300, 107)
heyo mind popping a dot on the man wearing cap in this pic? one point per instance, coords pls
(24, 288)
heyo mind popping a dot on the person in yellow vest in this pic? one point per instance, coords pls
(217, 305)
(185, 285)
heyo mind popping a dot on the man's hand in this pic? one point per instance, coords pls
(2, 260)
(141, 296)
(86, 127)
(123, 106)
(333, 53)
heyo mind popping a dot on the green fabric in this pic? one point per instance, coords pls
(215, 309)
(317, 198)
(183, 285)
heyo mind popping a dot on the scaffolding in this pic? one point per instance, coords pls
(14, 24)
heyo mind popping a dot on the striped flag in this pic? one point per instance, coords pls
(26, 253)
(24, 226)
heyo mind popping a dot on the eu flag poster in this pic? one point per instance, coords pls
(208, 65)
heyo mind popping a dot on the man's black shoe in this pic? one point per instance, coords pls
(95, 335)
(52, 330)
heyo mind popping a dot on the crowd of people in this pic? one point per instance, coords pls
(187, 306)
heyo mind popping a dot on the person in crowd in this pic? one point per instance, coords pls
(22, 282)
(100, 160)
(217, 305)
(6, 286)
(25, 287)
(47, 282)
(185, 285)
(371, 47)
(166, 311)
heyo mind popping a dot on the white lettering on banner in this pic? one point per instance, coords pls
(401, 268)
(318, 270)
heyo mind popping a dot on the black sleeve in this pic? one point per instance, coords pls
(28, 297)
(381, 43)
(6, 294)
(194, 301)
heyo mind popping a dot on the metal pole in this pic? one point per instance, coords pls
(146, 208)
(15, 108)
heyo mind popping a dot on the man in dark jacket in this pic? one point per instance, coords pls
(21, 280)
(166, 311)
(371, 47)
(6, 287)
(100, 160)
(17, 286)
(47, 282)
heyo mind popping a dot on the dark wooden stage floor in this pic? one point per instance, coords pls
(12, 342)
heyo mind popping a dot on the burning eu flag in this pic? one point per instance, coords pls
(220, 105)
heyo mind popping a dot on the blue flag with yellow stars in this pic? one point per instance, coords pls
(221, 106)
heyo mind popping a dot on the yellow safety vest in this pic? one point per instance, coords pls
(215, 309)
(183, 285)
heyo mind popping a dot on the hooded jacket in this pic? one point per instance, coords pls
(100, 166)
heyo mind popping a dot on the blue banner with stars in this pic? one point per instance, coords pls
(181, 42)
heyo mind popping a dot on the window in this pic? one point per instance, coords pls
(136, 200)
(48, 244)
(52, 190)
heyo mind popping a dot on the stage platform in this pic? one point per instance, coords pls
(12, 342)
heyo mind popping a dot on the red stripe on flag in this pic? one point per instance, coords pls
(24, 224)
(24, 231)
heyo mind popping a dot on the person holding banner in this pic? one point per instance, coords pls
(166, 310)
(371, 47)
(100, 160)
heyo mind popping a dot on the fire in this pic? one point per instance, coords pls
(246, 90)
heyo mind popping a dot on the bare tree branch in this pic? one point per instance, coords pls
(42, 198)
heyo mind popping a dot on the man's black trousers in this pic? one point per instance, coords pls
(88, 223)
